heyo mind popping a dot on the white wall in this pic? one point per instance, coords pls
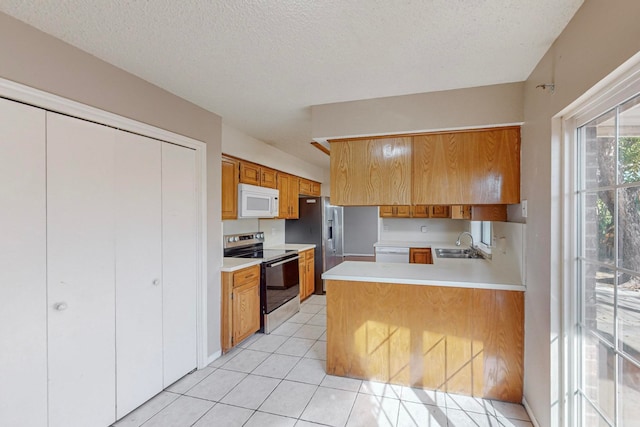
(238, 144)
(451, 109)
(600, 37)
(409, 229)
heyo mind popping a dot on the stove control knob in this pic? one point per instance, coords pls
(235, 239)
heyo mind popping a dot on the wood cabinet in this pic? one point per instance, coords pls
(480, 213)
(438, 211)
(309, 188)
(370, 172)
(470, 167)
(306, 265)
(240, 305)
(251, 173)
(230, 175)
(420, 256)
(417, 211)
(288, 202)
(400, 211)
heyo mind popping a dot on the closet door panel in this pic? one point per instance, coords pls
(178, 260)
(23, 329)
(138, 271)
(81, 272)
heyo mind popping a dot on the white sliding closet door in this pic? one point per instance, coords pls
(81, 272)
(23, 303)
(179, 260)
(138, 271)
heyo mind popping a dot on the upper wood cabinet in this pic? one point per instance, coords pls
(230, 173)
(309, 188)
(288, 203)
(480, 213)
(253, 174)
(417, 211)
(370, 172)
(399, 211)
(473, 167)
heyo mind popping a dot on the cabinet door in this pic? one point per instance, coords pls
(138, 271)
(403, 211)
(246, 311)
(461, 212)
(302, 269)
(305, 187)
(475, 167)
(420, 256)
(23, 329)
(316, 188)
(268, 178)
(371, 172)
(386, 211)
(310, 273)
(230, 171)
(179, 243)
(420, 211)
(439, 212)
(249, 173)
(284, 210)
(293, 197)
(80, 272)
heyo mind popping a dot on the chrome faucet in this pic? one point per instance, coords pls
(462, 234)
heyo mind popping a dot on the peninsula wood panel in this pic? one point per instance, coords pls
(475, 167)
(460, 340)
(371, 172)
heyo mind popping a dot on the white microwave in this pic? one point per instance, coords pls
(257, 202)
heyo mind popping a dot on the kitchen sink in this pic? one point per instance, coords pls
(458, 253)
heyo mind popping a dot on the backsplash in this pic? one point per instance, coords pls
(409, 229)
(508, 246)
(273, 229)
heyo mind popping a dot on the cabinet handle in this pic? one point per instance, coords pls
(156, 282)
(61, 306)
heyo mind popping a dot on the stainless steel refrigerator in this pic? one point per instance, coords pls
(320, 223)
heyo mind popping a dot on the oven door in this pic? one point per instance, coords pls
(281, 278)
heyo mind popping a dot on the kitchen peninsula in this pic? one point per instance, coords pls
(455, 326)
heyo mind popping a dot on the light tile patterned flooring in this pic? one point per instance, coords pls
(279, 380)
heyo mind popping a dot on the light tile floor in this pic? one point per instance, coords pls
(280, 380)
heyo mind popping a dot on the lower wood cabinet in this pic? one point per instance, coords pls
(420, 256)
(240, 305)
(307, 273)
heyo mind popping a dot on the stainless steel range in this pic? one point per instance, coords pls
(279, 277)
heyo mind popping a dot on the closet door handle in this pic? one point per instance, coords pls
(61, 306)
(156, 282)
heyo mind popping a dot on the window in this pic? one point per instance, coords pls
(608, 267)
(485, 233)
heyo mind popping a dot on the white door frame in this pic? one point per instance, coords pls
(55, 103)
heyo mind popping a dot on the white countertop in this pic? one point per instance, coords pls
(300, 247)
(462, 273)
(233, 264)
(407, 244)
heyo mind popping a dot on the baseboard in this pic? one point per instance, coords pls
(214, 356)
(527, 408)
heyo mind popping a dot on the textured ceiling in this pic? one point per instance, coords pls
(260, 64)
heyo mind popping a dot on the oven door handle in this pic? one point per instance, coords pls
(283, 262)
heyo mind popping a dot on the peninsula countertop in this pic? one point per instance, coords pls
(462, 273)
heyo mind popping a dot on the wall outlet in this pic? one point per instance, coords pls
(423, 229)
(523, 204)
(273, 231)
(385, 228)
